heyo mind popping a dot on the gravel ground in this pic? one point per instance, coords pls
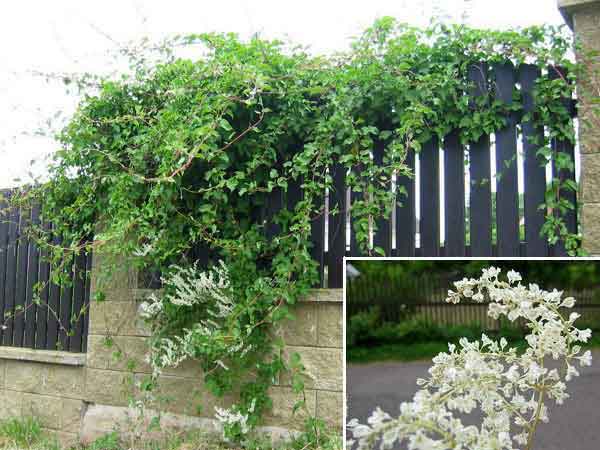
(573, 426)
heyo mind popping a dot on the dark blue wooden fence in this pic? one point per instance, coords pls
(48, 318)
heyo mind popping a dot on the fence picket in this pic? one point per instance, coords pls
(405, 211)
(273, 207)
(429, 225)
(337, 227)
(317, 238)
(4, 221)
(79, 274)
(293, 194)
(53, 308)
(480, 205)
(507, 189)
(65, 308)
(534, 171)
(41, 335)
(382, 237)
(11, 273)
(454, 201)
(564, 147)
(86, 317)
(354, 247)
(21, 278)
(32, 279)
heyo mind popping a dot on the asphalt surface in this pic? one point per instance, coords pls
(575, 425)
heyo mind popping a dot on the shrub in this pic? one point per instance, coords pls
(361, 325)
(366, 329)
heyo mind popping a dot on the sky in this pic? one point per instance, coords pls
(76, 36)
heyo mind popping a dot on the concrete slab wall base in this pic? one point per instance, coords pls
(100, 420)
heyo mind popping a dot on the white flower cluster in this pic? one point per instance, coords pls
(232, 417)
(189, 286)
(186, 288)
(510, 389)
(211, 291)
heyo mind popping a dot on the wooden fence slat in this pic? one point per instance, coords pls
(41, 335)
(21, 279)
(293, 195)
(564, 147)
(65, 308)
(79, 303)
(534, 172)
(354, 246)
(430, 199)
(317, 238)
(53, 309)
(405, 211)
(273, 207)
(480, 205)
(4, 221)
(337, 227)
(87, 300)
(570, 217)
(454, 210)
(32, 279)
(11, 274)
(507, 188)
(382, 237)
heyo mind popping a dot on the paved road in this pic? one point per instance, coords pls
(573, 426)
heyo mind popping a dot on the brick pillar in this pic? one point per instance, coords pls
(583, 16)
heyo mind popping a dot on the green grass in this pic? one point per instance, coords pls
(395, 352)
(26, 433)
(419, 351)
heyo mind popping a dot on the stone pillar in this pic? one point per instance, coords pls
(583, 16)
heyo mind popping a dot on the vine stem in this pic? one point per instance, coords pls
(537, 418)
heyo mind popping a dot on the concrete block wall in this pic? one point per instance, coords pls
(316, 335)
(583, 16)
(86, 396)
(52, 391)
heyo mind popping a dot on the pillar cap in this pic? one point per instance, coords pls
(567, 7)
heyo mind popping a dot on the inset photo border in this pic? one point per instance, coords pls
(463, 353)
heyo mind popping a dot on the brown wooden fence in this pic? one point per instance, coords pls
(424, 298)
(451, 207)
(52, 319)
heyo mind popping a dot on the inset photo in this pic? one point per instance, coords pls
(472, 354)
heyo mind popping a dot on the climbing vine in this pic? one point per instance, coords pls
(181, 153)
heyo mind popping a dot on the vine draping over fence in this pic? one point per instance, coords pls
(233, 153)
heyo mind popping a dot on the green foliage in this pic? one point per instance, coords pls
(317, 436)
(414, 331)
(24, 432)
(394, 292)
(387, 275)
(416, 339)
(109, 441)
(360, 326)
(395, 352)
(183, 153)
